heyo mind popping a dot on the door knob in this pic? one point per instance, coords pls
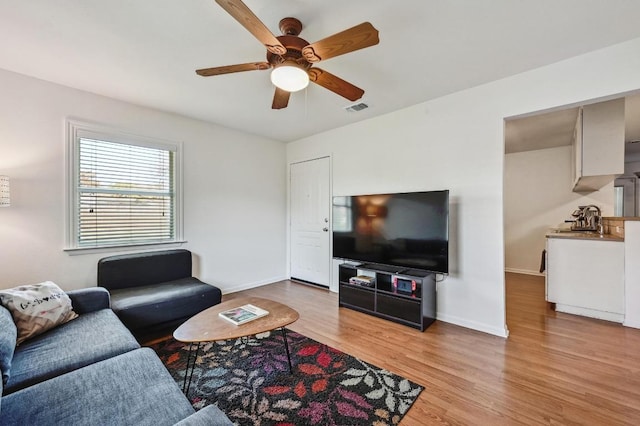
(325, 229)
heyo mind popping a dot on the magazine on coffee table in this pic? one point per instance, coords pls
(242, 314)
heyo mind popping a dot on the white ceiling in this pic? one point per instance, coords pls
(553, 129)
(146, 51)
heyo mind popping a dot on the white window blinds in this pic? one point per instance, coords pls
(125, 194)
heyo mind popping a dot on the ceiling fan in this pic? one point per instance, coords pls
(292, 58)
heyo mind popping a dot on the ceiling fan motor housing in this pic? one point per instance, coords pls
(294, 46)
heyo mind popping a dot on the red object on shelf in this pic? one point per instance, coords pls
(404, 285)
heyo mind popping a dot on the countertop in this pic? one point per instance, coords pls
(583, 235)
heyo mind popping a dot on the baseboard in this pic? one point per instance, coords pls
(524, 271)
(633, 324)
(247, 286)
(309, 283)
(485, 328)
(592, 313)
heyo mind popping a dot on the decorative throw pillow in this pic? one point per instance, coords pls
(37, 308)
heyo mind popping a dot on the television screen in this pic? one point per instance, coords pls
(405, 230)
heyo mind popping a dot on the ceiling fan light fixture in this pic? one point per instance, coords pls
(290, 77)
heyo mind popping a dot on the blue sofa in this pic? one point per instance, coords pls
(155, 290)
(89, 371)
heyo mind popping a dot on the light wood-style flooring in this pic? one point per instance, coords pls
(553, 369)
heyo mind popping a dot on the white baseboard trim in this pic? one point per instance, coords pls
(485, 328)
(634, 324)
(247, 286)
(524, 271)
(592, 313)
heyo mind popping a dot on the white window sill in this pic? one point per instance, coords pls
(75, 251)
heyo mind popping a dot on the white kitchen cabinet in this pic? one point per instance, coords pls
(598, 145)
(586, 277)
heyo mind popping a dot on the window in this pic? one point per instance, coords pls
(123, 189)
(342, 214)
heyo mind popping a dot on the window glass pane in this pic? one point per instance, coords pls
(618, 201)
(342, 214)
(125, 194)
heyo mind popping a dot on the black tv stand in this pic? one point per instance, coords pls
(415, 308)
(377, 267)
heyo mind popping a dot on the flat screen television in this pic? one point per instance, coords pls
(403, 231)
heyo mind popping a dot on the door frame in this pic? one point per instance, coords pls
(333, 282)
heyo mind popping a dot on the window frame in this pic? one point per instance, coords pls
(78, 129)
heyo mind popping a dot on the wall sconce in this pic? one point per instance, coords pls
(5, 199)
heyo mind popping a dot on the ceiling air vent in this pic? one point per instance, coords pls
(357, 107)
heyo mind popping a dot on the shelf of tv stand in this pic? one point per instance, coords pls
(361, 287)
(416, 309)
(401, 295)
(381, 268)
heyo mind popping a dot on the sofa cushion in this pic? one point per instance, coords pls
(8, 335)
(131, 389)
(208, 416)
(142, 269)
(140, 307)
(90, 338)
(37, 308)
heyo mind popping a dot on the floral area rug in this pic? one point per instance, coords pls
(249, 380)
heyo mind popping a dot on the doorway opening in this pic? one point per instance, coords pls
(539, 177)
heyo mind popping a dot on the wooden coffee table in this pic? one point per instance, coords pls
(207, 327)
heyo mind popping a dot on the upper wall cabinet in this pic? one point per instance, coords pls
(598, 145)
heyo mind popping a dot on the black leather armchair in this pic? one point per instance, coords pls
(154, 289)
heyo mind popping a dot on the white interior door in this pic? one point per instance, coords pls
(310, 215)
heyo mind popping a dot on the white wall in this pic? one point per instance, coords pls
(632, 274)
(457, 143)
(538, 196)
(234, 189)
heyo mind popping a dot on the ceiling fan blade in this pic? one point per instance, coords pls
(280, 99)
(335, 84)
(355, 38)
(246, 17)
(228, 69)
